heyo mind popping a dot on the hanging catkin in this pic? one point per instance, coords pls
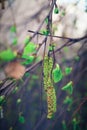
(48, 86)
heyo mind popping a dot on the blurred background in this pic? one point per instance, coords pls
(25, 107)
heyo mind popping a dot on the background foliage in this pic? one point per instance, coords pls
(60, 32)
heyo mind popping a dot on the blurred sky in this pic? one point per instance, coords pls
(81, 4)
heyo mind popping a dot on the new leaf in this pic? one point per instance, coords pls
(57, 74)
(68, 87)
(7, 55)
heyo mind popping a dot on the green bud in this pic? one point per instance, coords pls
(56, 10)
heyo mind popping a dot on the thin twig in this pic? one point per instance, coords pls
(72, 39)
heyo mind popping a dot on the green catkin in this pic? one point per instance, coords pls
(48, 86)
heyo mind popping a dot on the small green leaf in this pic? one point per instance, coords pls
(68, 100)
(7, 55)
(68, 87)
(30, 48)
(56, 10)
(2, 98)
(68, 70)
(74, 121)
(51, 47)
(57, 74)
(21, 119)
(29, 59)
(13, 29)
(18, 101)
(15, 90)
(25, 56)
(75, 124)
(45, 32)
